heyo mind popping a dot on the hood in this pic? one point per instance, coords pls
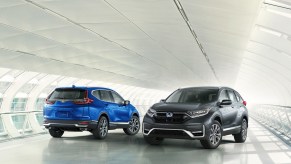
(178, 107)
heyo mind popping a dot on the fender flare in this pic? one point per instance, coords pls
(104, 113)
(135, 113)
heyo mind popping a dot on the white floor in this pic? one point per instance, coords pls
(261, 147)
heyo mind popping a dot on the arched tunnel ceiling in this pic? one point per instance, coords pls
(265, 73)
(143, 43)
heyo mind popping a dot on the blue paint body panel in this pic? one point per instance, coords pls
(65, 109)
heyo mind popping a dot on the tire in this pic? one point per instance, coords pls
(134, 126)
(102, 128)
(242, 135)
(153, 140)
(213, 136)
(56, 133)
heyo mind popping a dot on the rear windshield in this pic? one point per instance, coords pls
(193, 95)
(70, 94)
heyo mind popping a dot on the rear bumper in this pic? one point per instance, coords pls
(70, 125)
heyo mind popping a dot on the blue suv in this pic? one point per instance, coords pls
(92, 109)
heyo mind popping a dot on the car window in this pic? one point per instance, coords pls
(223, 96)
(96, 94)
(105, 95)
(117, 98)
(174, 97)
(232, 96)
(67, 93)
(239, 98)
(193, 95)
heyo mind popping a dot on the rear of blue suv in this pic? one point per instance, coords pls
(91, 109)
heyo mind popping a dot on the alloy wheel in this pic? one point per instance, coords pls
(244, 129)
(215, 134)
(103, 127)
(134, 124)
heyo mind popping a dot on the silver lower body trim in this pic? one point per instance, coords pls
(190, 134)
(231, 128)
(60, 124)
(119, 123)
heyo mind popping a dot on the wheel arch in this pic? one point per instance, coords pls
(218, 118)
(245, 117)
(105, 115)
(135, 114)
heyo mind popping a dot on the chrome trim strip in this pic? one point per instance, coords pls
(76, 125)
(120, 123)
(173, 112)
(235, 127)
(186, 131)
(185, 113)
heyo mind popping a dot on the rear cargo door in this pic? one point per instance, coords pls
(67, 103)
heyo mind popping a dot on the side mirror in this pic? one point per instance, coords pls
(126, 102)
(225, 102)
(163, 100)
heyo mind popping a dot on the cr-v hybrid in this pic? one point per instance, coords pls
(91, 109)
(204, 113)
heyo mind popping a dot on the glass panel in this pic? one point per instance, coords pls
(96, 94)
(175, 96)
(232, 96)
(105, 96)
(39, 103)
(18, 121)
(117, 99)
(18, 104)
(39, 118)
(239, 99)
(1, 126)
(1, 99)
(223, 96)
(4, 86)
(27, 88)
(194, 95)
(68, 94)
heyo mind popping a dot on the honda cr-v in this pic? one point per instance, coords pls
(91, 109)
(204, 113)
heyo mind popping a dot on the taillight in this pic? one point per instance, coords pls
(47, 101)
(86, 100)
(245, 103)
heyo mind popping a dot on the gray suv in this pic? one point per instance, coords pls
(204, 113)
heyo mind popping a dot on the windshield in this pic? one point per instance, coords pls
(193, 95)
(70, 94)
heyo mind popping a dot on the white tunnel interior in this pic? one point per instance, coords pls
(142, 49)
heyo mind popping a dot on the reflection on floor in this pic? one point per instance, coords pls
(74, 148)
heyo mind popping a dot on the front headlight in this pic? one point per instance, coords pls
(151, 112)
(198, 113)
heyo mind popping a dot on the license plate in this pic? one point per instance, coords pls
(63, 114)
